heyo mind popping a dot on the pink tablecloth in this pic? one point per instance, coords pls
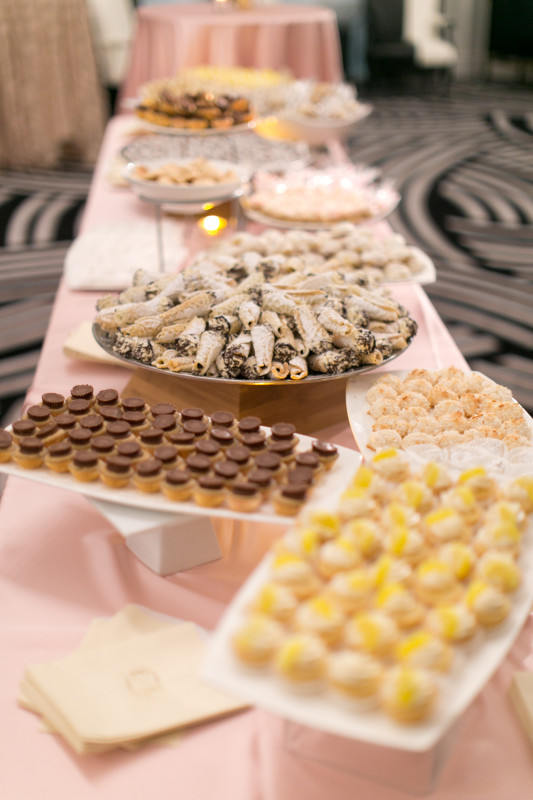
(302, 39)
(62, 564)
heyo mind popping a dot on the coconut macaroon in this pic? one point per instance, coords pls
(355, 676)
(256, 641)
(373, 632)
(408, 695)
(452, 623)
(381, 439)
(489, 605)
(424, 650)
(499, 570)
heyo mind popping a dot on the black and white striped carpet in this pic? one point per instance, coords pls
(464, 166)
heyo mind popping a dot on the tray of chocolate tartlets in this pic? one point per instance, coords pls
(160, 458)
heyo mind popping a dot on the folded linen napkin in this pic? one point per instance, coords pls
(134, 679)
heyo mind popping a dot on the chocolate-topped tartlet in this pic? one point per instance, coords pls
(93, 423)
(303, 475)
(79, 438)
(282, 431)
(151, 438)
(209, 491)
(107, 397)
(66, 422)
(222, 436)
(240, 454)
(255, 442)
(39, 414)
(58, 456)
(183, 440)
(177, 485)
(209, 448)
(119, 430)
(137, 420)
(116, 471)
(30, 453)
(148, 475)
(131, 450)
(228, 470)
(111, 413)
(283, 448)
(49, 433)
(244, 496)
(103, 445)
(54, 401)
(262, 478)
(249, 425)
(222, 419)
(84, 465)
(78, 408)
(198, 465)
(310, 460)
(326, 452)
(134, 404)
(168, 455)
(6, 446)
(82, 391)
(269, 460)
(196, 426)
(162, 408)
(188, 414)
(22, 428)
(288, 499)
(165, 422)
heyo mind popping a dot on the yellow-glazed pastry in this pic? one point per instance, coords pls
(391, 465)
(366, 534)
(424, 650)
(462, 500)
(507, 513)
(445, 525)
(436, 582)
(521, 491)
(301, 662)
(295, 573)
(415, 495)
(500, 570)
(453, 623)
(374, 632)
(256, 641)
(406, 544)
(304, 541)
(355, 676)
(338, 555)
(489, 605)
(356, 501)
(326, 523)
(460, 557)
(275, 601)
(365, 478)
(481, 484)
(322, 616)
(436, 477)
(397, 515)
(396, 600)
(388, 569)
(352, 590)
(502, 536)
(408, 695)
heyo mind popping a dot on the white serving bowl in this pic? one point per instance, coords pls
(184, 193)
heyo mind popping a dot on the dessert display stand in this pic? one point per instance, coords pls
(166, 543)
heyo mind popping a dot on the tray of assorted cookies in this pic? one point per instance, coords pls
(381, 617)
(157, 457)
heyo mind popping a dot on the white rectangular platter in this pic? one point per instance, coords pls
(468, 676)
(358, 407)
(327, 490)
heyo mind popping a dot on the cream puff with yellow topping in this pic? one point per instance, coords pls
(391, 465)
(275, 600)
(435, 582)
(499, 570)
(256, 641)
(295, 573)
(453, 623)
(489, 605)
(397, 601)
(355, 677)
(424, 650)
(300, 662)
(445, 525)
(373, 632)
(408, 695)
(352, 590)
(322, 616)
(479, 481)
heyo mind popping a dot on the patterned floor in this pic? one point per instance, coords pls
(464, 165)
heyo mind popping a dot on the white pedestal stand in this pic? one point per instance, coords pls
(166, 543)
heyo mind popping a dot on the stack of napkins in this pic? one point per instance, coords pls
(133, 679)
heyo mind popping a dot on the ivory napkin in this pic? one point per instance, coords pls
(133, 678)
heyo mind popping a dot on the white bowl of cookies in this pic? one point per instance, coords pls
(185, 180)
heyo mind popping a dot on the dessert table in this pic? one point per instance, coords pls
(302, 39)
(62, 564)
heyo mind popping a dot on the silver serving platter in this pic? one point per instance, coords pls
(106, 343)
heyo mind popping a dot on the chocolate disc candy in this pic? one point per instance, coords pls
(249, 425)
(162, 408)
(129, 450)
(198, 464)
(30, 445)
(6, 440)
(133, 404)
(254, 441)
(195, 426)
(192, 413)
(79, 437)
(60, 449)
(261, 477)
(166, 453)
(211, 482)
(226, 469)
(303, 475)
(152, 436)
(181, 438)
(283, 447)
(222, 419)
(134, 418)
(294, 491)
(46, 430)
(53, 400)
(111, 413)
(268, 460)
(238, 453)
(39, 414)
(103, 444)
(119, 429)
(107, 397)
(178, 477)
(93, 423)
(207, 447)
(244, 488)
(78, 408)
(307, 460)
(282, 430)
(221, 435)
(85, 458)
(65, 422)
(118, 464)
(82, 391)
(149, 468)
(25, 427)
(324, 449)
(165, 422)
